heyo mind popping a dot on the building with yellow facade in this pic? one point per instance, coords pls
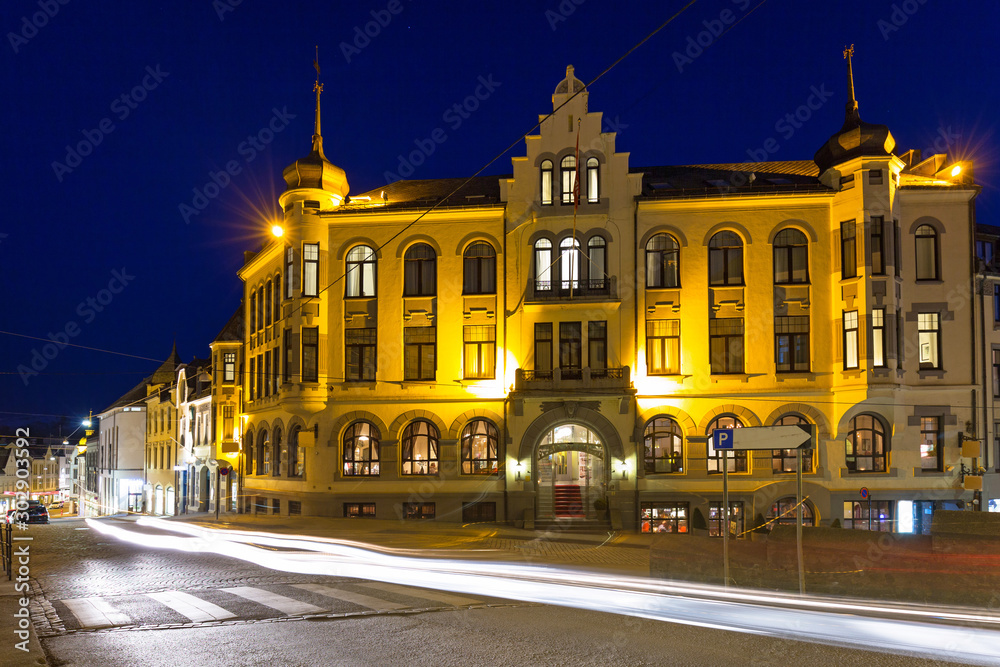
(558, 344)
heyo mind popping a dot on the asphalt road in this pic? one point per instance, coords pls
(104, 602)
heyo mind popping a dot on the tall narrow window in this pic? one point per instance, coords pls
(725, 260)
(850, 339)
(791, 257)
(276, 453)
(310, 269)
(361, 450)
(266, 375)
(546, 182)
(286, 342)
(419, 449)
(570, 344)
(866, 445)
(848, 250)
(878, 337)
(663, 445)
(277, 297)
(737, 459)
(360, 272)
(593, 181)
(479, 448)
(543, 265)
(296, 463)
(253, 379)
(289, 272)
(228, 412)
(725, 343)
(996, 372)
(663, 261)
(543, 347)
(419, 350)
(930, 441)
(229, 367)
(791, 344)
(567, 174)
(310, 354)
(897, 248)
(480, 269)
(877, 240)
(927, 252)
(597, 263)
(929, 340)
(419, 271)
(996, 302)
(900, 341)
(663, 347)
(275, 369)
(253, 311)
(480, 351)
(360, 354)
(984, 251)
(597, 347)
(268, 304)
(569, 263)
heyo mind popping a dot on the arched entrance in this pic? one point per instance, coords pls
(570, 473)
(203, 490)
(158, 500)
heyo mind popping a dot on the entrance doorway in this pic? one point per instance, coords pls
(570, 473)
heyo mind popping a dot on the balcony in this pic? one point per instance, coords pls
(595, 290)
(573, 379)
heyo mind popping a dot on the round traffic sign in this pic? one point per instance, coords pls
(864, 491)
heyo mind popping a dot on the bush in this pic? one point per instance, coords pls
(835, 523)
(601, 504)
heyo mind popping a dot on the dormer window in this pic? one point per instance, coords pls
(593, 181)
(546, 182)
(567, 172)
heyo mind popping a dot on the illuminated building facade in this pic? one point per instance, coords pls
(541, 346)
(160, 488)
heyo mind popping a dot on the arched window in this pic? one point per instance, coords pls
(419, 449)
(567, 173)
(419, 271)
(546, 182)
(361, 450)
(248, 458)
(268, 303)
(784, 460)
(663, 261)
(593, 180)
(597, 255)
(479, 448)
(276, 452)
(736, 460)
(480, 269)
(927, 253)
(569, 263)
(664, 446)
(253, 311)
(360, 272)
(263, 456)
(791, 257)
(543, 265)
(296, 464)
(867, 448)
(260, 308)
(725, 259)
(783, 512)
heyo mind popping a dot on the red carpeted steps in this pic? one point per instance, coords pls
(567, 501)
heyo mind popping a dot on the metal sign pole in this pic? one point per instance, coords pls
(798, 519)
(725, 517)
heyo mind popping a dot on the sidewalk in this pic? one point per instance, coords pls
(10, 607)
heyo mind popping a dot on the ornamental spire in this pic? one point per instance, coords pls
(852, 103)
(317, 139)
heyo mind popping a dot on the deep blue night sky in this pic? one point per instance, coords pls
(210, 78)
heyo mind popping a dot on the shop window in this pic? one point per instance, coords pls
(664, 517)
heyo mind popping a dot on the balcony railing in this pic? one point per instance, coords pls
(573, 379)
(561, 289)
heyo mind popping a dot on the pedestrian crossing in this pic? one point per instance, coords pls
(249, 603)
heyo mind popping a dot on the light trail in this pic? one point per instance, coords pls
(878, 626)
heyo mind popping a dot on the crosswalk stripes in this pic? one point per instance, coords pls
(96, 613)
(285, 605)
(353, 598)
(195, 609)
(434, 596)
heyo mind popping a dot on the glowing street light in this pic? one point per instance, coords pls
(956, 170)
(277, 231)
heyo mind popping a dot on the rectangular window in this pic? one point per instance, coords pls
(900, 341)
(847, 182)
(543, 347)
(294, 507)
(929, 340)
(725, 343)
(228, 413)
(260, 505)
(597, 347)
(984, 251)
(874, 177)
(547, 184)
(664, 517)
(359, 510)
(897, 248)
(266, 379)
(877, 239)
(930, 441)
(360, 354)
(570, 349)
(663, 347)
(480, 351)
(878, 337)
(275, 506)
(791, 344)
(253, 311)
(996, 373)
(310, 354)
(875, 515)
(848, 250)
(474, 512)
(286, 342)
(996, 302)
(716, 522)
(850, 339)
(289, 272)
(253, 378)
(310, 269)
(418, 510)
(419, 349)
(229, 367)
(275, 369)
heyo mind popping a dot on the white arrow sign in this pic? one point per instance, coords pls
(763, 437)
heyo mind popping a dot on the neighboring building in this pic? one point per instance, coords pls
(528, 346)
(44, 473)
(89, 503)
(8, 477)
(194, 432)
(161, 479)
(986, 302)
(227, 406)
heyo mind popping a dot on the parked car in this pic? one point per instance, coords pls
(36, 514)
(58, 505)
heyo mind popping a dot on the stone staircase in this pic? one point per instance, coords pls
(567, 501)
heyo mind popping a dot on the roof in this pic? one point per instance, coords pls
(133, 396)
(5, 453)
(235, 328)
(744, 178)
(478, 191)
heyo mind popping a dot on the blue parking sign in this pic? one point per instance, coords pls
(722, 438)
